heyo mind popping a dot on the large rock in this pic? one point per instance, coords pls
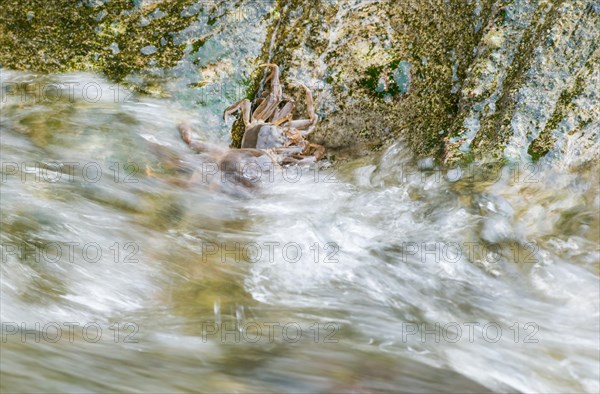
(533, 89)
(456, 80)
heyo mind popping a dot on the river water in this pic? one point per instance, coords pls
(125, 268)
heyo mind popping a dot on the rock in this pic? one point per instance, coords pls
(383, 70)
(114, 47)
(148, 50)
(115, 37)
(528, 94)
(486, 80)
(476, 80)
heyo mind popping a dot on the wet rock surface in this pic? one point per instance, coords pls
(458, 81)
(477, 80)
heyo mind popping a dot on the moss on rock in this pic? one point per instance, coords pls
(380, 71)
(105, 36)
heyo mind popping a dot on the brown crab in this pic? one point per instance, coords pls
(269, 129)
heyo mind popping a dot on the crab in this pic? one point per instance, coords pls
(269, 129)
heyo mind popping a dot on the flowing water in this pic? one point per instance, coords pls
(125, 269)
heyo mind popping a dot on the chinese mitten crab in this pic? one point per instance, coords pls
(269, 128)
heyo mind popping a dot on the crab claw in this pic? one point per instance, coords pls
(298, 83)
(274, 77)
(275, 71)
(269, 65)
(243, 105)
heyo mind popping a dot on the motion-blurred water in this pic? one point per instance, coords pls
(123, 269)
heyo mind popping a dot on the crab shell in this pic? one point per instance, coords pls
(264, 136)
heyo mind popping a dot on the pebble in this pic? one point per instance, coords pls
(148, 50)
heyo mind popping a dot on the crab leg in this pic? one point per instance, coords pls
(269, 104)
(185, 130)
(283, 112)
(282, 120)
(289, 150)
(274, 77)
(266, 108)
(245, 106)
(306, 126)
(318, 153)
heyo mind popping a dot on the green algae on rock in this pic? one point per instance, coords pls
(116, 37)
(385, 70)
(518, 91)
(109, 36)
(478, 80)
(388, 81)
